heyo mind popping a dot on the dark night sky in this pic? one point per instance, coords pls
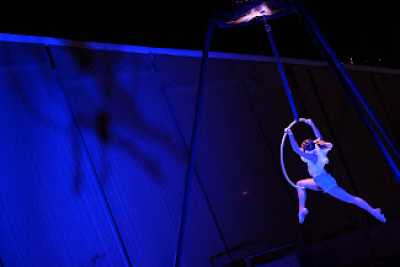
(368, 33)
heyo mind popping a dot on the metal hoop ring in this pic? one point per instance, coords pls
(282, 156)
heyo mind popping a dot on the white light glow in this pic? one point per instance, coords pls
(258, 11)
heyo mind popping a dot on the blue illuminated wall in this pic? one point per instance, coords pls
(94, 149)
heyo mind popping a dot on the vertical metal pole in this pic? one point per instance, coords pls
(349, 83)
(192, 149)
(281, 69)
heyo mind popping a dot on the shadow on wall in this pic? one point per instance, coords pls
(110, 106)
(117, 119)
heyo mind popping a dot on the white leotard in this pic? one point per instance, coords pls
(318, 167)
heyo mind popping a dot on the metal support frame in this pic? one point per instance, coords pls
(370, 121)
(192, 148)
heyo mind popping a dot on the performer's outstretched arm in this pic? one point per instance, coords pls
(296, 147)
(324, 145)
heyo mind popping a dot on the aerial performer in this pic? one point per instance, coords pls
(314, 153)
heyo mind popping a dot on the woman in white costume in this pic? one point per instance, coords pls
(314, 154)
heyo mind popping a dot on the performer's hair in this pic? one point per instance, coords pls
(308, 145)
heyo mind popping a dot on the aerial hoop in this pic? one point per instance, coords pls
(282, 158)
